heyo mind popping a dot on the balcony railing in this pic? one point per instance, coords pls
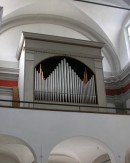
(54, 106)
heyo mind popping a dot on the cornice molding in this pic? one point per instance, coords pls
(56, 40)
(6, 91)
(119, 99)
(8, 73)
(120, 80)
(6, 76)
(121, 84)
(64, 40)
(61, 53)
(9, 70)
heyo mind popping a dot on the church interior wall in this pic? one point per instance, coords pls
(48, 128)
(34, 136)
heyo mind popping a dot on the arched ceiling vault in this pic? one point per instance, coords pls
(81, 149)
(69, 23)
(68, 15)
(16, 148)
(12, 5)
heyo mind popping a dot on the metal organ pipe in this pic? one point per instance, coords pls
(64, 85)
(65, 78)
(57, 84)
(67, 82)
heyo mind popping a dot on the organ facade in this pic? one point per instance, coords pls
(63, 84)
(60, 70)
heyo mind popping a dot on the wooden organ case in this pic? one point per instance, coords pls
(60, 70)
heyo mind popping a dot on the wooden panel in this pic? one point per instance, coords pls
(15, 97)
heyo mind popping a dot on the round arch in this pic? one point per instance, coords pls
(81, 149)
(75, 25)
(16, 149)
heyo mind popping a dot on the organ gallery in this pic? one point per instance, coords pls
(60, 70)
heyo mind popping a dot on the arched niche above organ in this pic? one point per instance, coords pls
(37, 50)
(64, 79)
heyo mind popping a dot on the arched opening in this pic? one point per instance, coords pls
(80, 150)
(15, 150)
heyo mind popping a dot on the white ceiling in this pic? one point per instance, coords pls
(95, 22)
(10, 6)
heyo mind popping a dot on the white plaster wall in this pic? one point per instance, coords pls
(110, 23)
(106, 65)
(124, 44)
(124, 48)
(45, 129)
(9, 40)
(10, 6)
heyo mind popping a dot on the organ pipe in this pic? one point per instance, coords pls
(64, 85)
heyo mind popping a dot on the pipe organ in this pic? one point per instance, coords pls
(61, 70)
(64, 85)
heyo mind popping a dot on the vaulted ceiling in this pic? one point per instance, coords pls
(68, 18)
